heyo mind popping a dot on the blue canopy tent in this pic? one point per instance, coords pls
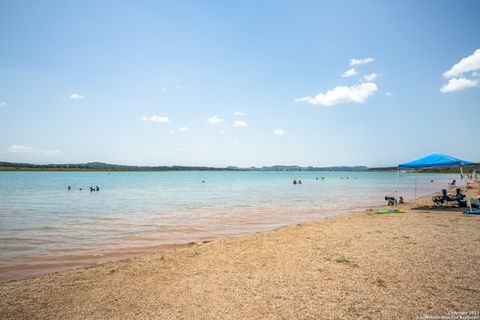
(434, 160)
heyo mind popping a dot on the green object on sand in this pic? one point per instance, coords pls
(472, 212)
(388, 211)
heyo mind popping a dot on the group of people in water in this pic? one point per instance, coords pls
(295, 181)
(96, 188)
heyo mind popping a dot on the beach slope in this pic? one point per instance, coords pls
(360, 266)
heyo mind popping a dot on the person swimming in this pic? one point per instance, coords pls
(299, 181)
(294, 181)
(69, 188)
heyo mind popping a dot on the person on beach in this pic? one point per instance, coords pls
(294, 181)
(299, 181)
(69, 188)
(97, 188)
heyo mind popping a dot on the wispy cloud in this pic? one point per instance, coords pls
(239, 124)
(239, 114)
(31, 151)
(279, 132)
(215, 120)
(3, 104)
(349, 73)
(458, 84)
(183, 129)
(370, 77)
(465, 65)
(341, 94)
(19, 148)
(155, 119)
(52, 153)
(356, 62)
(76, 96)
(388, 94)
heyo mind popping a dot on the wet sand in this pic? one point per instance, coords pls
(359, 266)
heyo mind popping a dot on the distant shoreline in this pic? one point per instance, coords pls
(10, 169)
(100, 166)
(105, 167)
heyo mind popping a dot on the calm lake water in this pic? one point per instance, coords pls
(45, 227)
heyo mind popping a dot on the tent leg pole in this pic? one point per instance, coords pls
(416, 172)
(396, 186)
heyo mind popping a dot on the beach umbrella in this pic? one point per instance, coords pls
(434, 160)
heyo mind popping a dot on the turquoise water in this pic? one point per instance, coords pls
(45, 227)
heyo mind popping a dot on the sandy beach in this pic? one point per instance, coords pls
(360, 266)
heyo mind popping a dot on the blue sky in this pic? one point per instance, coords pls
(238, 83)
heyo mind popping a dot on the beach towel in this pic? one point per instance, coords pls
(388, 211)
(472, 212)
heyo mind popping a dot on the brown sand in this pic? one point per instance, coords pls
(360, 266)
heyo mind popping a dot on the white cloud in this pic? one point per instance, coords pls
(3, 104)
(171, 131)
(155, 119)
(475, 74)
(52, 153)
(31, 151)
(18, 148)
(235, 142)
(349, 73)
(355, 62)
(458, 84)
(239, 124)
(467, 64)
(370, 77)
(183, 129)
(215, 120)
(239, 114)
(388, 94)
(221, 131)
(279, 132)
(357, 93)
(76, 96)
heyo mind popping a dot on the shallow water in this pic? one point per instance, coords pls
(45, 227)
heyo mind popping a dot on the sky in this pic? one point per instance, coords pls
(245, 83)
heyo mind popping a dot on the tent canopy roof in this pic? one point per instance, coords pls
(435, 160)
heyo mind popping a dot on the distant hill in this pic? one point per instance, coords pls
(100, 166)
